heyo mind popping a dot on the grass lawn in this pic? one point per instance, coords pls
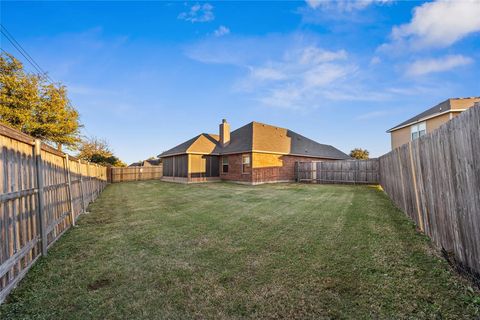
(157, 250)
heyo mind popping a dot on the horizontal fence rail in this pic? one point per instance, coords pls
(435, 180)
(42, 193)
(122, 174)
(340, 171)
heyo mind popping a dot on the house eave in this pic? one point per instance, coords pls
(253, 151)
(424, 119)
(182, 153)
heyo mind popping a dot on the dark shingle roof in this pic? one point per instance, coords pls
(240, 140)
(447, 105)
(256, 136)
(146, 163)
(181, 148)
(304, 146)
(152, 162)
(441, 107)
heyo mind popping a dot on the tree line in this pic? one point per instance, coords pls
(35, 106)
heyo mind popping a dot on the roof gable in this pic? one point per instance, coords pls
(205, 143)
(447, 105)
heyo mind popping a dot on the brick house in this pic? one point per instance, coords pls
(255, 153)
(429, 120)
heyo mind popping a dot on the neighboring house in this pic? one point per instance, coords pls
(147, 163)
(429, 120)
(255, 153)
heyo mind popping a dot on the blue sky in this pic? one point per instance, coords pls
(149, 75)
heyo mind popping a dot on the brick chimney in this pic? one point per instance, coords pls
(224, 133)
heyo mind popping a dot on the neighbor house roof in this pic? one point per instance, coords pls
(152, 162)
(258, 137)
(146, 163)
(449, 105)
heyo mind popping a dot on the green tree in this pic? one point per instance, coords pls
(358, 153)
(98, 151)
(34, 106)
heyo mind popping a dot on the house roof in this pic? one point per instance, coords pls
(152, 162)
(258, 137)
(453, 104)
(146, 163)
(241, 140)
(203, 143)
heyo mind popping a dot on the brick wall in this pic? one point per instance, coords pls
(265, 168)
(285, 172)
(235, 169)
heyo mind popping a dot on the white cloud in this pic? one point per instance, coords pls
(198, 13)
(221, 31)
(344, 5)
(375, 60)
(426, 66)
(288, 71)
(267, 73)
(316, 55)
(325, 74)
(439, 23)
(372, 115)
(300, 78)
(313, 3)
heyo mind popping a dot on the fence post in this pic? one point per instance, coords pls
(69, 189)
(89, 184)
(414, 177)
(41, 199)
(81, 184)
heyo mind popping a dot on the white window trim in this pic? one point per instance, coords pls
(224, 164)
(418, 128)
(244, 156)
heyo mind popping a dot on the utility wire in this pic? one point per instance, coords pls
(29, 58)
(24, 52)
(32, 61)
(10, 37)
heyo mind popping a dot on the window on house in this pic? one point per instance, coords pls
(246, 165)
(418, 130)
(224, 164)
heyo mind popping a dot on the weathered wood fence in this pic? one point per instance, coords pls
(435, 180)
(342, 171)
(116, 174)
(42, 192)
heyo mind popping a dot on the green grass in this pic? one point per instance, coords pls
(157, 250)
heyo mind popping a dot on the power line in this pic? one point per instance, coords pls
(27, 56)
(10, 38)
(24, 52)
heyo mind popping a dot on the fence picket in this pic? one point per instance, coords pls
(122, 174)
(437, 183)
(340, 171)
(36, 201)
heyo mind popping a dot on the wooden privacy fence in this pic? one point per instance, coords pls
(117, 174)
(341, 171)
(435, 180)
(43, 191)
